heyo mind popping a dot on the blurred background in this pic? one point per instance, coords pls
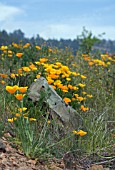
(58, 18)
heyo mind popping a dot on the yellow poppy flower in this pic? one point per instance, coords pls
(58, 64)
(12, 75)
(15, 45)
(38, 76)
(3, 82)
(12, 120)
(74, 132)
(3, 48)
(38, 47)
(27, 69)
(76, 95)
(83, 77)
(58, 83)
(26, 45)
(22, 109)
(90, 96)
(65, 91)
(75, 74)
(68, 79)
(84, 92)
(81, 85)
(80, 98)
(49, 122)
(65, 68)
(37, 62)
(75, 88)
(32, 119)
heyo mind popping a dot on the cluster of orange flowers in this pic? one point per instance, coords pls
(57, 75)
(104, 61)
(19, 97)
(12, 89)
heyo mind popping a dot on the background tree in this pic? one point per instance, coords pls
(87, 41)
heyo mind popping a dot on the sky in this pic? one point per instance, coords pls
(57, 19)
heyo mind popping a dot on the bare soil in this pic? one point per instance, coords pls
(13, 159)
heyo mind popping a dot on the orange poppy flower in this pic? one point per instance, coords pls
(50, 81)
(17, 114)
(22, 89)
(80, 132)
(19, 55)
(70, 86)
(43, 60)
(19, 96)
(33, 67)
(22, 109)
(11, 89)
(84, 108)
(20, 71)
(90, 63)
(4, 75)
(67, 100)
(54, 87)
(53, 76)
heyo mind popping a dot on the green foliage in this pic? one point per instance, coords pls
(1, 128)
(87, 41)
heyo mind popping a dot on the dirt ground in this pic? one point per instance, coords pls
(12, 159)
